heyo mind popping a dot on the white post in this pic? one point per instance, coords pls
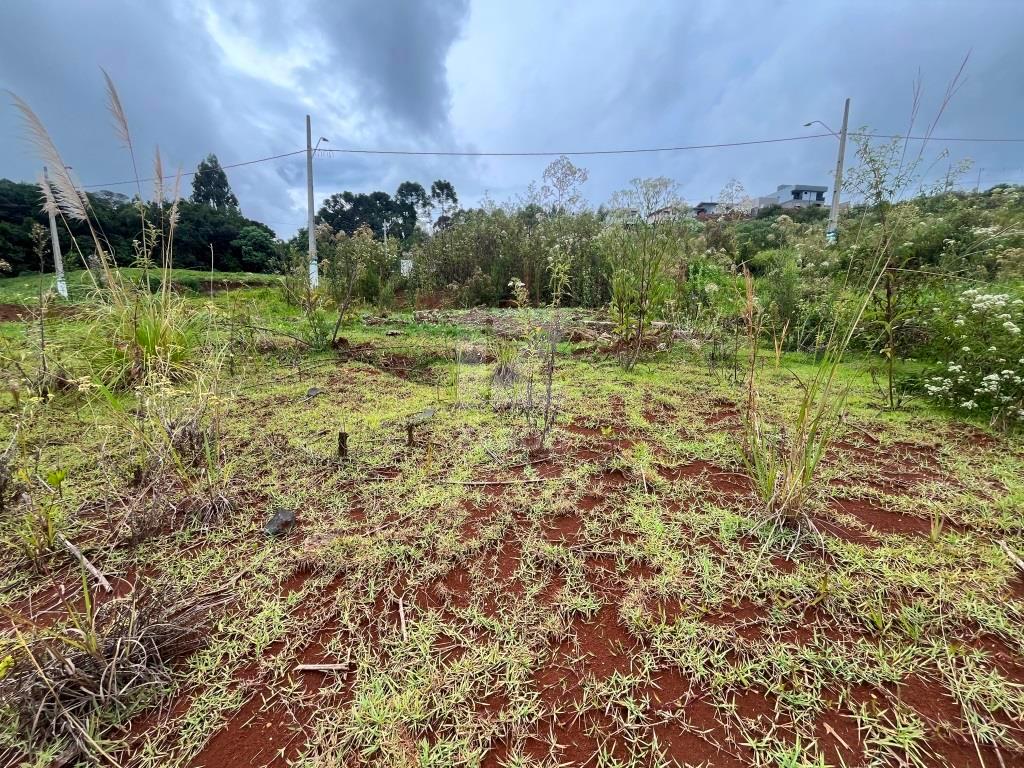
(832, 233)
(314, 275)
(58, 260)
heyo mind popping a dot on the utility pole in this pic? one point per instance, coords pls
(832, 233)
(58, 261)
(314, 274)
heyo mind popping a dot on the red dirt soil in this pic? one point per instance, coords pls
(689, 728)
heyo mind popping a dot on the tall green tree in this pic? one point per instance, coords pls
(410, 199)
(349, 211)
(210, 186)
(444, 200)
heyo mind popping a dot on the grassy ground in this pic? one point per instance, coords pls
(23, 290)
(609, 599)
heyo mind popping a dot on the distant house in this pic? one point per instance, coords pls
(668, 213)
(794, 196)
(703, 210)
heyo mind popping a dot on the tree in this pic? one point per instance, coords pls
(444, 199)
(342, 258)
(210, 186)
(734, 198)
(644, 197)
(258, 249)
(410, 199)
(349, 211)
(638, 254)
(562, 182)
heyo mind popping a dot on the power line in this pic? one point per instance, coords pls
(938, 138)
(193, 173)
(643, 150)
(578, 152)
(572, 153)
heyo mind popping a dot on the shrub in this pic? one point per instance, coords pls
(638, 257)
(982, 364)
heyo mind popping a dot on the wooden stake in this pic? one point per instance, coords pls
(342, 444)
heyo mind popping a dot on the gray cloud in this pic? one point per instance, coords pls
(237, 78)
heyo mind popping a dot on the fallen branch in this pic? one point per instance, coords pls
(401, 619)
(321, 667)
(96, 574)
(521, 481)
(1014, 557)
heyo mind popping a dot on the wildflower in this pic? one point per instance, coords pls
(969, 405)
(1011, 327)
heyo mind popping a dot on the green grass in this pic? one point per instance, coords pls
(24, 289)
(461, 609)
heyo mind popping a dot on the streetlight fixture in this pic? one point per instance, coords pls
(823, 125)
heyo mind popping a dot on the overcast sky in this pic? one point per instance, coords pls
(237, 78)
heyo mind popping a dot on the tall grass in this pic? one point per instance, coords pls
(136, 333)
(782, 460)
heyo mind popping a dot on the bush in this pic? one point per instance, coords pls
(982, 366)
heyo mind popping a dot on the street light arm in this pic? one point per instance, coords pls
(819, 122)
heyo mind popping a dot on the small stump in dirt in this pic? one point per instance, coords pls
(416, 420)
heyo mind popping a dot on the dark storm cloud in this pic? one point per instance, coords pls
(396, 52)
(231, 78)
(237, 78)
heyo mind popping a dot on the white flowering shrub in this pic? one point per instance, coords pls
(982, 370)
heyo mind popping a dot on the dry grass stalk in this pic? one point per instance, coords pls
(65, 685)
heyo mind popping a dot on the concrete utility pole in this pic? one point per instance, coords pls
(58, 260)
(314, 274)
(832, 233)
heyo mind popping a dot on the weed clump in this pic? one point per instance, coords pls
(66, 687)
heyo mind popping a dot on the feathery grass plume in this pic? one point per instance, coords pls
(167, 243)
(117, 111)
(121, 126)
(158, 178)
(49, 203)
(70, 202)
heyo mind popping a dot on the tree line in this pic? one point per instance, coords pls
(210, 223)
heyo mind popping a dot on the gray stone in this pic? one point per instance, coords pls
(282, 522)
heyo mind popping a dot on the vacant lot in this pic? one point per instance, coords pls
(471, 597)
